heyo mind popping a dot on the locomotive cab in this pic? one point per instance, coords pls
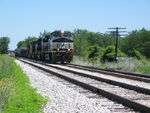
(61, 46)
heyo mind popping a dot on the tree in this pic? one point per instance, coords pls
(84, 39)
(30, 39)
(21, 44)
(4, 41)
(45, 33)
(109, 54)
(139, 40)
(80, 42)
(26, 42)
(138, 55)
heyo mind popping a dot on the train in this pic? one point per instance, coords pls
(57, 47)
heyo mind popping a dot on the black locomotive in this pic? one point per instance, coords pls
(56, 47)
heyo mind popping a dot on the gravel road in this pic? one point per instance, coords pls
(62, 99)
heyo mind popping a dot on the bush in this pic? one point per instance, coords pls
(109, 54)
(93, 53)
(138, 55)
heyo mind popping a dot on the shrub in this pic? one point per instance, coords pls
(138, 55)
(109, 54)
(93, 53)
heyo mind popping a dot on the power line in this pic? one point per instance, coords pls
(117, 34)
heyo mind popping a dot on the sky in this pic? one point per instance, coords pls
(22, 18)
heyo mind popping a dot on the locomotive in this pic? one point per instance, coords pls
(55, 47)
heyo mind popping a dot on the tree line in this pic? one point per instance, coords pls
(95, 45)
(29, 39)
(100, 46)
(138, 40)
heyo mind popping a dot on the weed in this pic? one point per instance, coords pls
(132, 65)
(16, 95)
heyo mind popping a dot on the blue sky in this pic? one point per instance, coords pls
(22, 18)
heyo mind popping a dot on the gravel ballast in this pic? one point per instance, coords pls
(61, 99)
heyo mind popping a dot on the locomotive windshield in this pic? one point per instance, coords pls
(62, 34)
(62, 40)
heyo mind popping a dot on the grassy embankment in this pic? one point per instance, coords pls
(16, 96)
(134, 65)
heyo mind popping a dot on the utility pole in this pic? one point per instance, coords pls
(80, 49)
(79, 42)
(41, 48)
(116, 39)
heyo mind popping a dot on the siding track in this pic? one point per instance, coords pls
(133, 76)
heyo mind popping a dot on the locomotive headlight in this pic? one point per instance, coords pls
(58, 49)
(62, 31)
(68, 49)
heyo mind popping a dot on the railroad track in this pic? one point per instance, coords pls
(134, 76)
(132, 96)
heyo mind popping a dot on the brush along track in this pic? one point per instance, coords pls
(130, 98)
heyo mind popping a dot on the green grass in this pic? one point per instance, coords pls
(145, 69)
(16, 95)
(136, 66)
(6, 67)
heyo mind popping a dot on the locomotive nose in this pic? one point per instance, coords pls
(62, 45)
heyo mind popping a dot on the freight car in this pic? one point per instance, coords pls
(21, 52)
(55, 47)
